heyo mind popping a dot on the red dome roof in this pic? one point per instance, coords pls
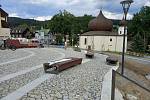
(123, 22)
(100, 23)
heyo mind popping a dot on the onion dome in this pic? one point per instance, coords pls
(123, 22)
(100, 23)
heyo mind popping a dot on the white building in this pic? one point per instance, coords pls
(101, 37)
(4, 29)
(121, 28)
(44, 36)
(40, 34)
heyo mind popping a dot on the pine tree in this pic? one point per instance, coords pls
(138, 45)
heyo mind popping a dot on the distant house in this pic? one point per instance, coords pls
(44, 36)
(21, 32)
(4, 28)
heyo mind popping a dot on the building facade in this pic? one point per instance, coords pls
(44, 36)
(19, 32)
(101, 37)
(4, 28)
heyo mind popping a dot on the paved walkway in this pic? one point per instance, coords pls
(25, 79)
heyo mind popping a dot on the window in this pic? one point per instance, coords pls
(110, 39)
(120, 32)
(85, 41)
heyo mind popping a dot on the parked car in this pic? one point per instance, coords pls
(4, 44)
(17, 44)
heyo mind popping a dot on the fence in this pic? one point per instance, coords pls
(128, 88)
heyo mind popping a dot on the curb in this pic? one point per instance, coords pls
(106, 86)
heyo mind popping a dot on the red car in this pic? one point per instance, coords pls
(17, 44)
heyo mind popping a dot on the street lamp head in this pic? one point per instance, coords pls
(126, 1)
(126, 4)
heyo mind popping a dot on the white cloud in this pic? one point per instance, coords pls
(147, 3)
(35, 1)
(52, 2)
(43, 18)
(13, 15)
(111, 15)
(47, 8)
(95, 12)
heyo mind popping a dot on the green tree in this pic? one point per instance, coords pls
(67, 24)
(59, 39)
(24, 25)
(83, 22)
(137, 44)
(61, 23)
(140, 24)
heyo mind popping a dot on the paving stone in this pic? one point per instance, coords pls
(41, 56)
(7, 55)
(82, 82)
(15, 83)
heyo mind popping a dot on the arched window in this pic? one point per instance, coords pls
(85, 41)
(110, 39)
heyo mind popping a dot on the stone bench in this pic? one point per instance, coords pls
(111, 60)
(89, 54)
(58, 66)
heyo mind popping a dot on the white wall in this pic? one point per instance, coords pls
(4, 33)
(81, 42)
(0, 20)
(103, 43)
(121, 30)
(42, 35)
(37, 35)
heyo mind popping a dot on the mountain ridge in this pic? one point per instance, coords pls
(16, 21)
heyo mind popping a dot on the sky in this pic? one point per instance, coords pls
(45, 9)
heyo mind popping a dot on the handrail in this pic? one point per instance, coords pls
(133, 81)
(114, 81)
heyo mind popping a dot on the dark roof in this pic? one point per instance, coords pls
(100, 23)
(3, 12)
(100, 33)
(19, 29)
(123, 23)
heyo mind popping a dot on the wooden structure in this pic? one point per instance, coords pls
(57, 66)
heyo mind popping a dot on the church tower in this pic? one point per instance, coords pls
(121, 28)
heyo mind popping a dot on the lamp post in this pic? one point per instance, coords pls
(81, 31)
(126, 5)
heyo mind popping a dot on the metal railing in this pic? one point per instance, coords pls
(117, 77)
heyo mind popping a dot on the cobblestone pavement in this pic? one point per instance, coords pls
(13, 84)
(7, 55)
(41, 56)
(82, 82)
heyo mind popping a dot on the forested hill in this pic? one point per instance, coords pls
(15, 21)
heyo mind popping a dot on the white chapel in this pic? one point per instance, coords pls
(101, 37)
